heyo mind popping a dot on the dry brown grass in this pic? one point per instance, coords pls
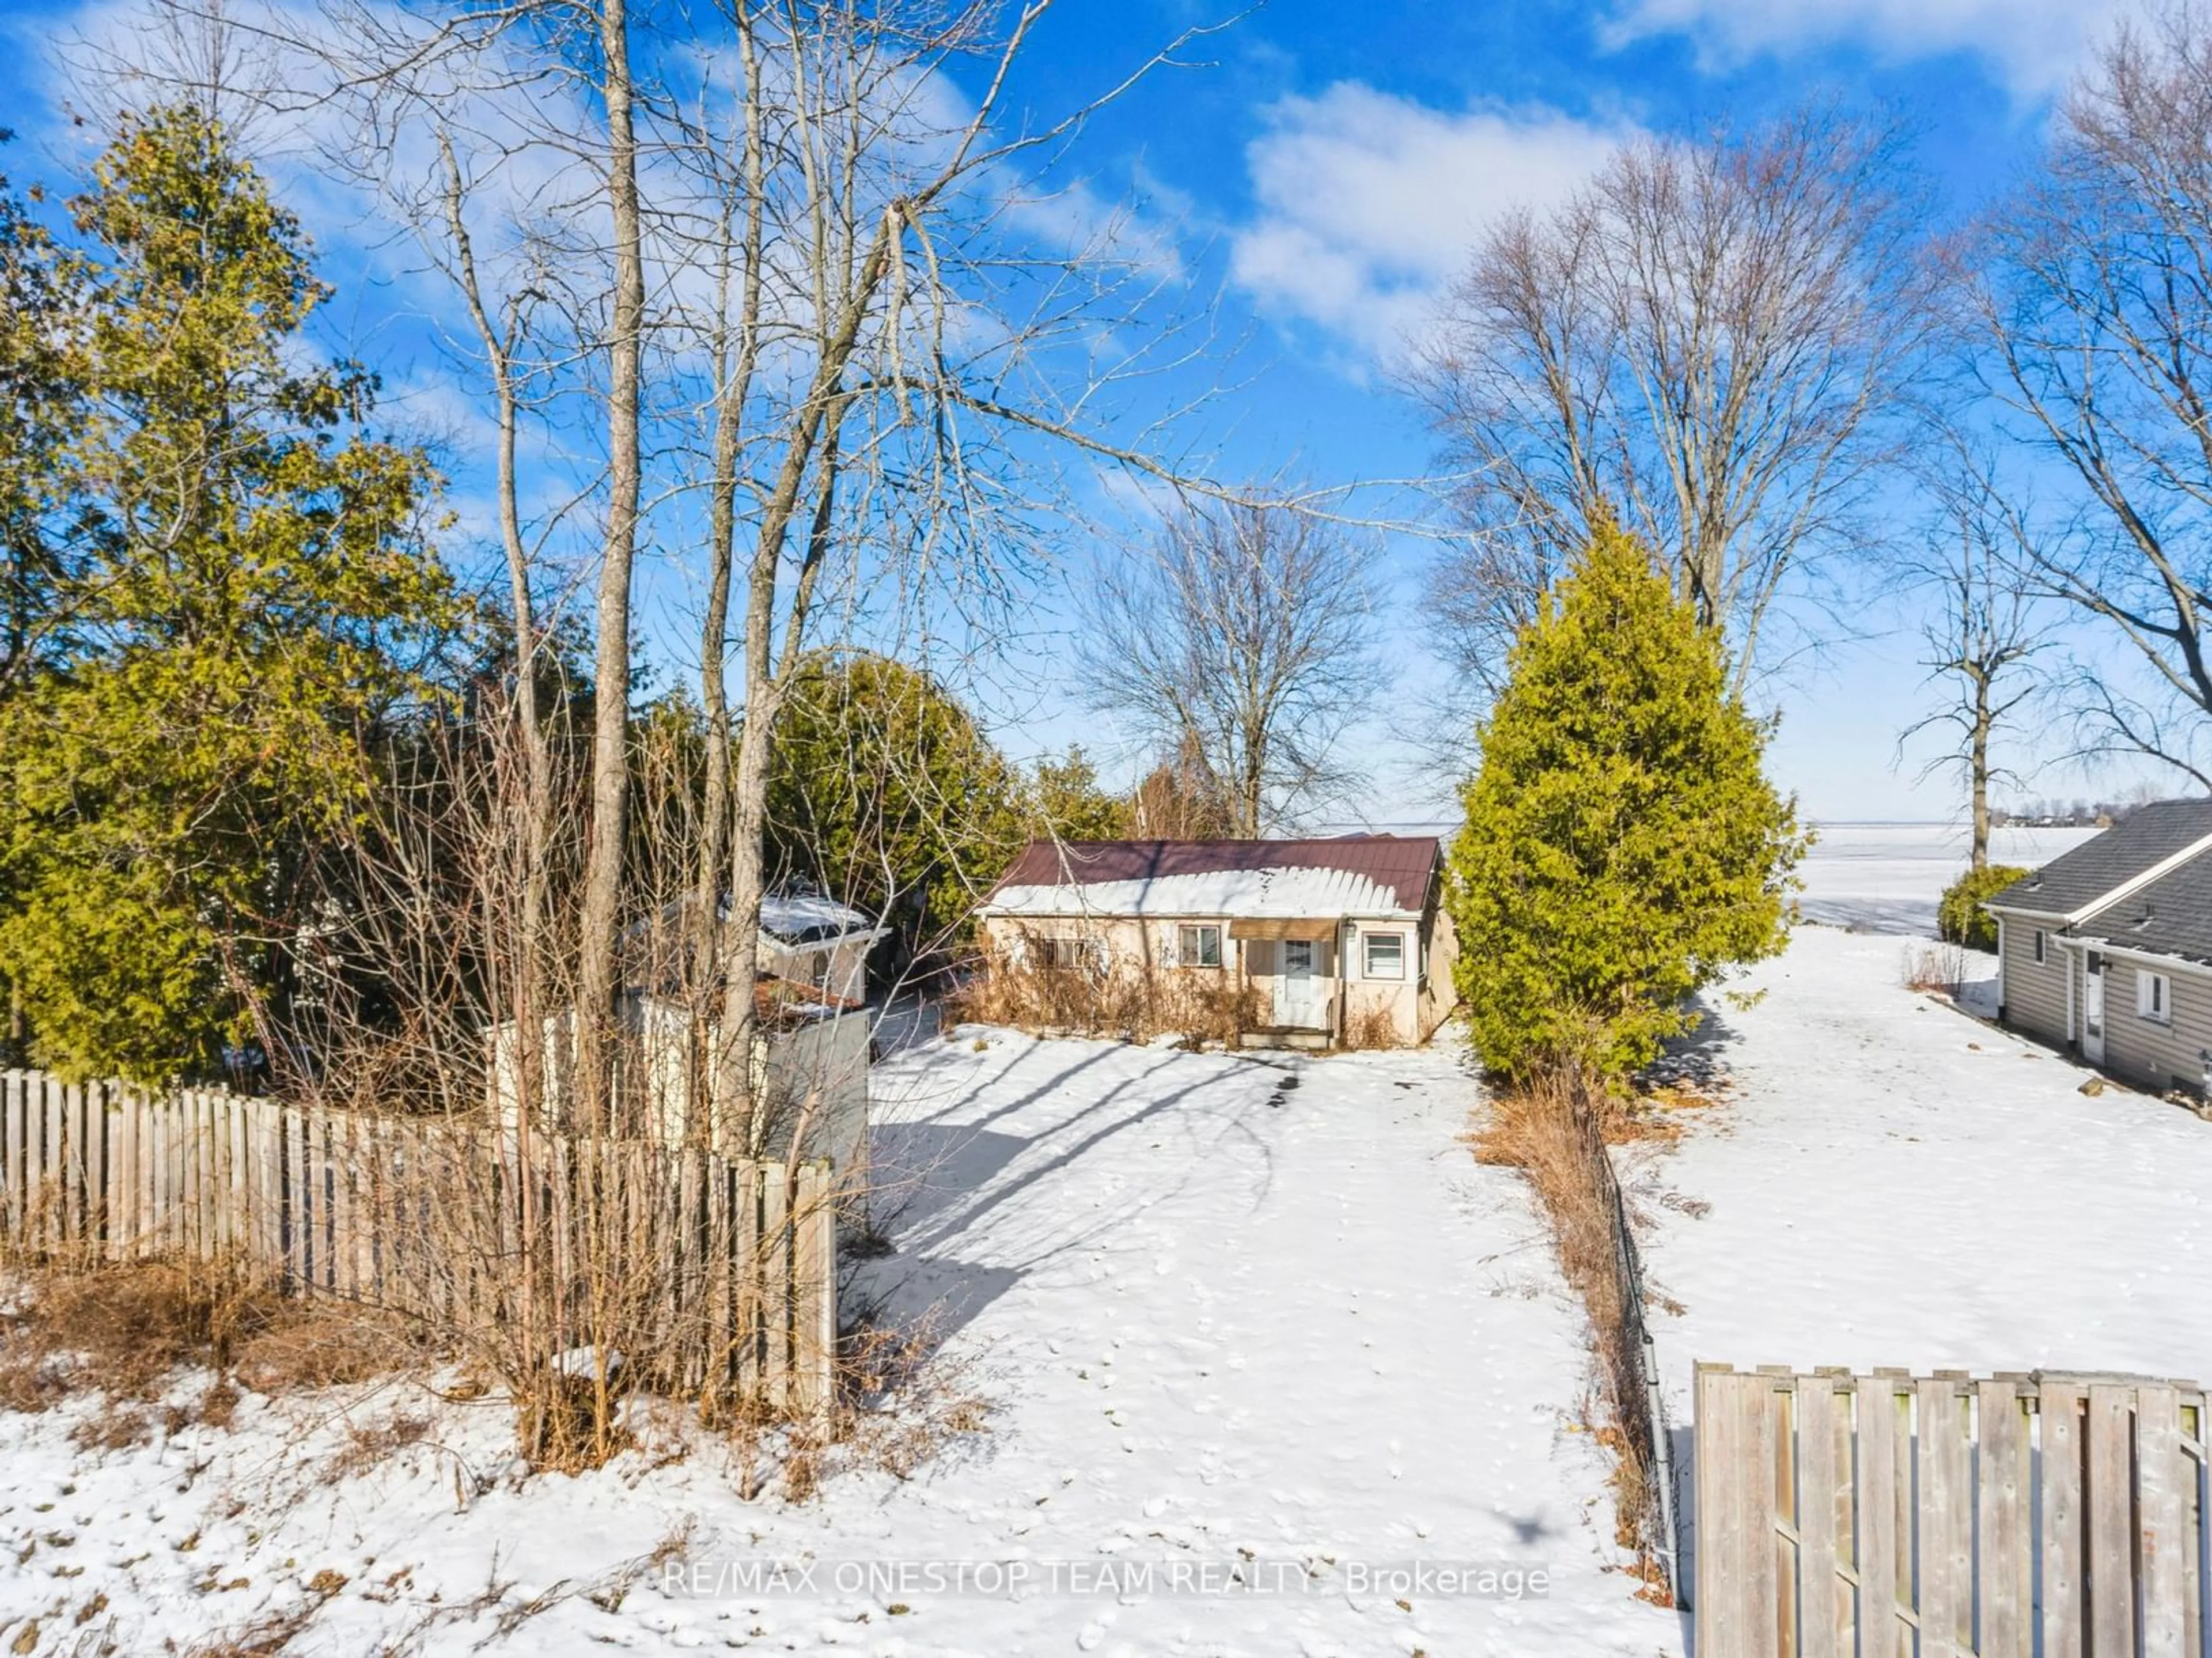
(371, 1443)
(1203, 1004)
(322, 1344)
(126, 1330)
(1554, 1131)
(266, 1636)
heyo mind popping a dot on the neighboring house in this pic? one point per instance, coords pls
(810, 1054)
(1325, 931)
(2107, 950)
(815, 942)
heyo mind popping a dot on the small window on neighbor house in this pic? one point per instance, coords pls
(2042, 945)
(2154, 997)
(1386, 955)
(1201, 946)
(1059, 953)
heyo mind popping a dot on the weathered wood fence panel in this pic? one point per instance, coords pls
(462, 1224)
(1889, 1515)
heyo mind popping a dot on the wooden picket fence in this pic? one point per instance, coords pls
(1891, 1515)
(725, 1268)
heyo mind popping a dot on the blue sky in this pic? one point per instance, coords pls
(1324, 165)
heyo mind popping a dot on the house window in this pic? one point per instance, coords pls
(1062, 953)
(2154, 997)
(2042, 945)
(1201, 946)
(1386, 955)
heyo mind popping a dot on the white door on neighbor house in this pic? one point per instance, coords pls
(1295, 1002)
(2092, 1007)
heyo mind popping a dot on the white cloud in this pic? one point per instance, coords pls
(1368, 204)
(2033, 44)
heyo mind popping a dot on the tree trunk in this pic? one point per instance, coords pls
(733, 371)
(532, 814)
(601, 917)
(714, 837)
(1978, 760)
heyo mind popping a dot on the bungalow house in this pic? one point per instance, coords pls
(2106, 952)
(1325, 931)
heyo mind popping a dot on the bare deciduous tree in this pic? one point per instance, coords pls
(1244, 633)
(862, 352)
(2096, 308)
(813, 305)
(1702, 343)
(598, 973)
(1182, 800)
(1982, 635)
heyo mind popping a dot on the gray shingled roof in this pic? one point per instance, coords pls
(2172, 915)
(2147, 836)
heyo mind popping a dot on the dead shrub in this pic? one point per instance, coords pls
(315, 1343)
(219, 1403)
(117, 1428)
(567, 1424)
(1204, 1005)
(901, 1402)
(1936, 969)
(368, 1443)
(1372, 1029)
(127, 1327)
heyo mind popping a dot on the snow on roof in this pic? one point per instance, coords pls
(1283, 894)
(1349, 875)
(806, 918)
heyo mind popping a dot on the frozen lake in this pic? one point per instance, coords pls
(1886, 877)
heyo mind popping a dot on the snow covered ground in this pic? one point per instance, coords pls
(1893, 1183)
(1886, 877)
(1231, 1315)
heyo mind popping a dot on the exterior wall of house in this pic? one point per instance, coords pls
(1398, 999)
(1441, 995)
(2157, 1055)
(1139, 945)
(2035, 994)
(1131, 945)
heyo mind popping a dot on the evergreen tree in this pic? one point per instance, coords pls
(42, 403)
(1622, 847)
(1071, 806)
(885, 795)
(247, 594)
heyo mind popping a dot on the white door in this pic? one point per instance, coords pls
(2092, 1007)
(1294, 986)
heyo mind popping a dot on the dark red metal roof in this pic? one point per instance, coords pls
(1404, 863)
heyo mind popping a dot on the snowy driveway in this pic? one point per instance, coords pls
(1235, 1305)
